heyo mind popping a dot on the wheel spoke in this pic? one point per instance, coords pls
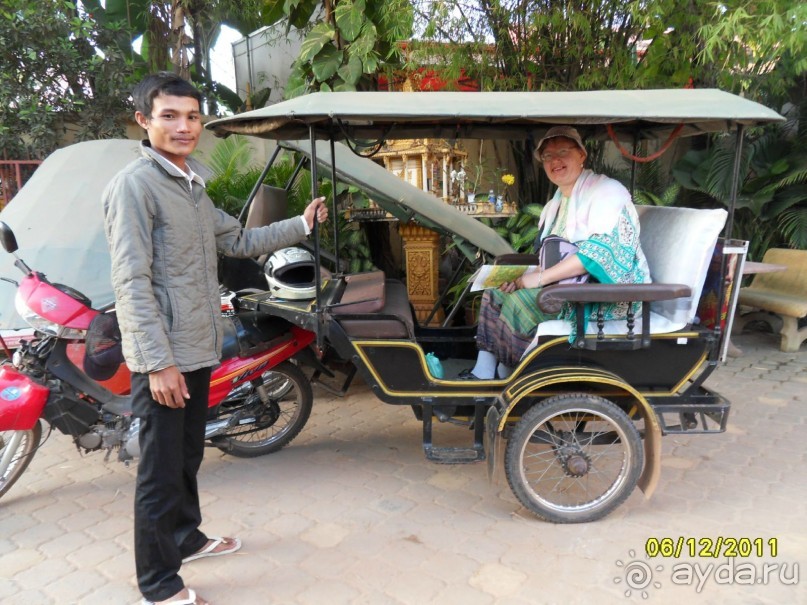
(272, 409)
(574, 459)
(18, 448)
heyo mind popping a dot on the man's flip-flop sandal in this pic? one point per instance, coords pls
(210, 549)
(189, 600)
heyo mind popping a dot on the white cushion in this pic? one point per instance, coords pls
(559, 327)
(678, 244)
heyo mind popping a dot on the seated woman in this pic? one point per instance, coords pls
(590, 210)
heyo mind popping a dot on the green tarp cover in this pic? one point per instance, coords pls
(58, 220)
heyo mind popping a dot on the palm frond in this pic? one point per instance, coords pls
(796, 177)
(646, 198)
(786, 199)
(793, 224)
(721, 170)
(230, 156)
(670, 194)
(533, 210)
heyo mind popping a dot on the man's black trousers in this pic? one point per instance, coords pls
(166, 512)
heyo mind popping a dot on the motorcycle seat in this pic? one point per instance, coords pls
(250, 332)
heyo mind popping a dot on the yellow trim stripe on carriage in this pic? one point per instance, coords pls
(489, 385)
(359, 345)
(598, 377)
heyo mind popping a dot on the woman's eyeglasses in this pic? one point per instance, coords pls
(559, 153)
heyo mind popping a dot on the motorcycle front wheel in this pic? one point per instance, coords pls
(269, 412)
(17, 449)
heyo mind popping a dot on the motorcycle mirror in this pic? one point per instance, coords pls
(7, 238)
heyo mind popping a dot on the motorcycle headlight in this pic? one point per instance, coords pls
(45, 326)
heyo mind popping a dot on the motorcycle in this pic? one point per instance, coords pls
(259, 398)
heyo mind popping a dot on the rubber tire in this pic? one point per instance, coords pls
(33, 437)
(564, 404)
(276, 442)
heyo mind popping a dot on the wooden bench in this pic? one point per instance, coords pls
(779, 298)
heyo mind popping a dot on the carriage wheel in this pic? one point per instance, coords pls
(573, 458)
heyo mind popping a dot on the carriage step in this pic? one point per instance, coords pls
(454, 455)
(693, 418)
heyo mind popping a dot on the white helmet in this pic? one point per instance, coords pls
(291, 274)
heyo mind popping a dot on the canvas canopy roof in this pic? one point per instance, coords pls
(58, 220)
(402, 200)
(649, 114)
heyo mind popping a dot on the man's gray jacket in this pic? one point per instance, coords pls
(164, 234)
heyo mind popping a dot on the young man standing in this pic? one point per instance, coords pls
(164, 236)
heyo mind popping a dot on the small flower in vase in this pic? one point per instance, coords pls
(508, 180)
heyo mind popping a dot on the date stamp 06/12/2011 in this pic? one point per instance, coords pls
(713, 548)
(719, 560)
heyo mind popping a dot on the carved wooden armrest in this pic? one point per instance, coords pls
(551, 298)
(516, 259)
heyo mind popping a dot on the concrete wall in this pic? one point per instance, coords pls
(263, 59)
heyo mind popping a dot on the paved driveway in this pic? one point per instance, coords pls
(351, 512)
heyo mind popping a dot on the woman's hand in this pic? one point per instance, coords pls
(510, 286)
(528, 280)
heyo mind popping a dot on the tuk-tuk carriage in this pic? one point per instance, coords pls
(578, 423)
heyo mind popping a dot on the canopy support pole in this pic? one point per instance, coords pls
(317, 275)
(714, 355)
(633, 164)
(735, 178)
(333, 204)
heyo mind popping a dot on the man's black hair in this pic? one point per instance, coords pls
(162, 83)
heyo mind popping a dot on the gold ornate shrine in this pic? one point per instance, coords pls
(439, 168)
(429, 164)
(422, 255)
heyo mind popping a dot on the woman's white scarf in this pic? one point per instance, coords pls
(594, 207)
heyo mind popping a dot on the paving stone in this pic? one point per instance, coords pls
(498, 580)
(75, 587)
(19, 561)
(353, 513)
(44, 575)
(327, 591)
(28, 597)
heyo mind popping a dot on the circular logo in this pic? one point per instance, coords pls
(10, 393)
(637, 575)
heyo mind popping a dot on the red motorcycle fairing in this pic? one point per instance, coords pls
(54, 304)
(239, 369)
(21, 400)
